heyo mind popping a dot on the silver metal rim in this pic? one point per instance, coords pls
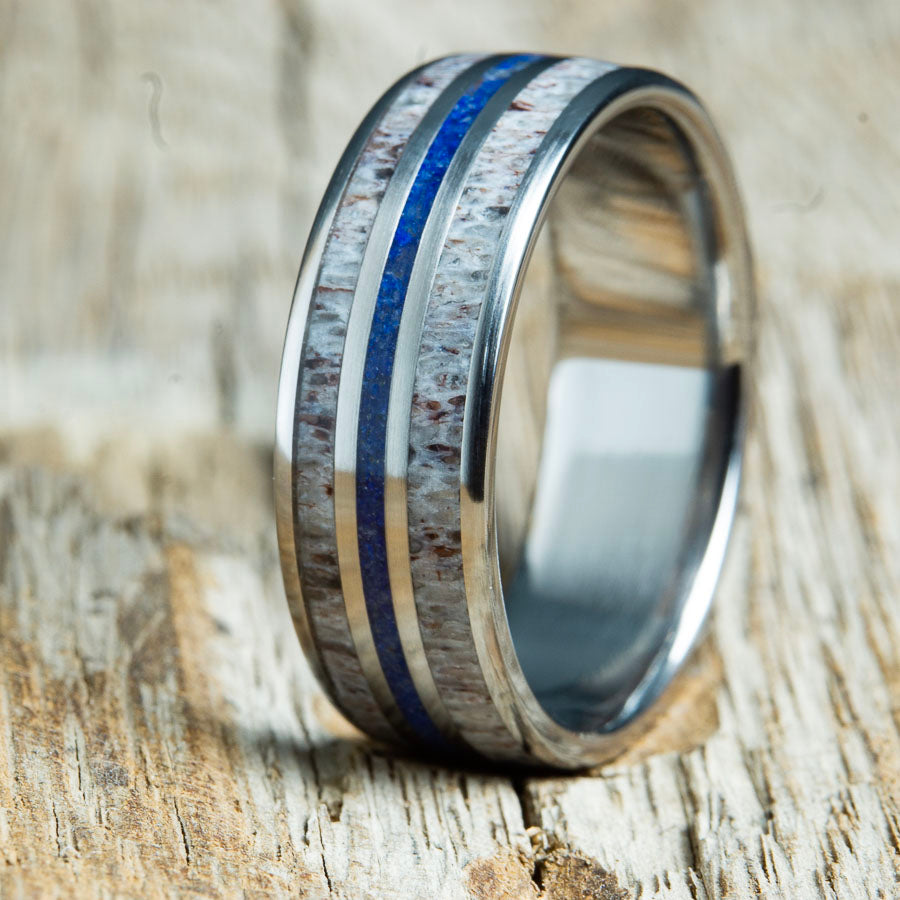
(548, 741)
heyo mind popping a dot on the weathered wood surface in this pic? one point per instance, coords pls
(160, 734)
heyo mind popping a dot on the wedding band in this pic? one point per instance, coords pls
(512, 406)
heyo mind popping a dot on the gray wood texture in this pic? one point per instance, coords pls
(160, 734)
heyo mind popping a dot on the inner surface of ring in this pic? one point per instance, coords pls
(611, 452)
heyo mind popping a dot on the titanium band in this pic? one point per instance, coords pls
(388, 414)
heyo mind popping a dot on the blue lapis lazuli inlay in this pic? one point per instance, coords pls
(370, 448)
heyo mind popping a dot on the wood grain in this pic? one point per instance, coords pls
(160, 734)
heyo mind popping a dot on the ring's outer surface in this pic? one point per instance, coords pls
(388, 414)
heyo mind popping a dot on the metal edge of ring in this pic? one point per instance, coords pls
(291, 358)
(402, 386)
(596, 105)
(350, 383)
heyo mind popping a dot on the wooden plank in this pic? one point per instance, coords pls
(161, 730)
(161, 734)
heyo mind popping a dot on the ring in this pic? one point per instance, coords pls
(512, 406)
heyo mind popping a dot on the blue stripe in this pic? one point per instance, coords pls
(370, 448)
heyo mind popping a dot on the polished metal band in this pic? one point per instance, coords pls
(564, 236)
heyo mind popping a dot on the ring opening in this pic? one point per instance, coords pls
(616, 423)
